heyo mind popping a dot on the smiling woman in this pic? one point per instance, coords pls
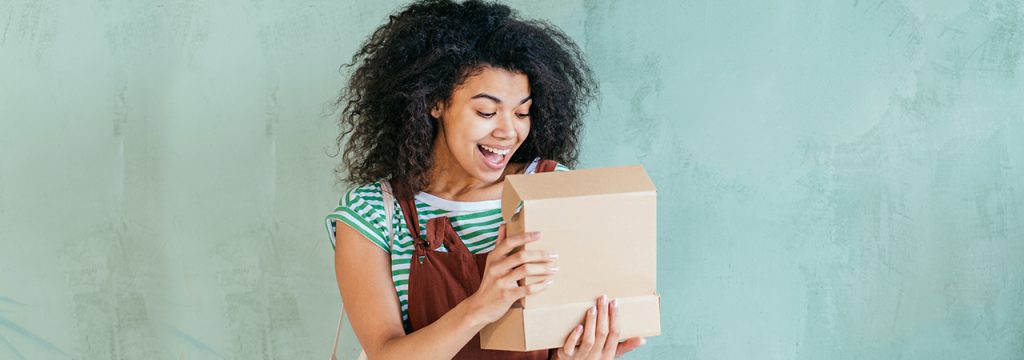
(444, 101)
(487, 118)
(415, 62)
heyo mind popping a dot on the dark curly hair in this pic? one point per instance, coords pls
(420, 56)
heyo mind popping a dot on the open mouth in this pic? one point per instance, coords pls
(494, 158)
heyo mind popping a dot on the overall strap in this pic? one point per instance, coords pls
(440, 231)
(408, 204)
(546, 166)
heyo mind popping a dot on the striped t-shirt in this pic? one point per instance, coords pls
(362, 209)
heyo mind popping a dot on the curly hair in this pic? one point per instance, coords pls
(422, 54)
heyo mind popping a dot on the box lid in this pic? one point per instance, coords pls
(602, 181)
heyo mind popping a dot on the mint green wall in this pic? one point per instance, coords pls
(837, 180)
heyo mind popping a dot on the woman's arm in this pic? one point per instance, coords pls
(364, 278)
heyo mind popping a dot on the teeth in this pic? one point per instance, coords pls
(496, 151)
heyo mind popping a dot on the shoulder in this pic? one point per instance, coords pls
(368, 194)
(361, 208)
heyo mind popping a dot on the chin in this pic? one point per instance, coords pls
(488, 175)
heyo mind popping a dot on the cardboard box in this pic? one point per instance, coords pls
(602, 223)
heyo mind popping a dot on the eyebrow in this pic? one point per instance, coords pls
(497, 100)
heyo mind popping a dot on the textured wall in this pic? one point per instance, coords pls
(837, 179)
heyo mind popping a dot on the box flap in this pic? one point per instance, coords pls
(602, 181)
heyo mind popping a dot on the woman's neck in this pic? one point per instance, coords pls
(448, 180)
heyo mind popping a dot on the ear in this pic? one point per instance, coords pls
(437, 110)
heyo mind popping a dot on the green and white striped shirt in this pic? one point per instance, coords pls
(362, 209)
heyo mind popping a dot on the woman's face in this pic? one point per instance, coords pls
(485, 122)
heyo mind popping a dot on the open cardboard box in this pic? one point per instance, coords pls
(602, 223)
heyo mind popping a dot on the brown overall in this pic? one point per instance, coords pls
(440, 280)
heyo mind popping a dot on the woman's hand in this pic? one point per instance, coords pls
(499, 287)
(598, 336)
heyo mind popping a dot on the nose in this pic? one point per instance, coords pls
(505, 128)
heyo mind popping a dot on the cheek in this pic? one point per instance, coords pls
(523, 129)
(463, 129)
(480, 131)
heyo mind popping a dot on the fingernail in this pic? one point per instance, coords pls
(549, 282)
(535, 234)
(593, 309)
(554, 269)
(615, 303)
(553, 256)
(604, 299)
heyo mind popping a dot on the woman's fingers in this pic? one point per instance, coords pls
(531, 289)
(569, 349)
(629, 345)
(613, 327)
(506, 244)
(507, 264)
(588, 331)
(601, 331)
(511, 262)
(533, 269)
(599, 334)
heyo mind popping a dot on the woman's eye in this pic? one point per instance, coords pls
(523, 116)
(486, 115)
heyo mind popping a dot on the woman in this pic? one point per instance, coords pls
(445, 100)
